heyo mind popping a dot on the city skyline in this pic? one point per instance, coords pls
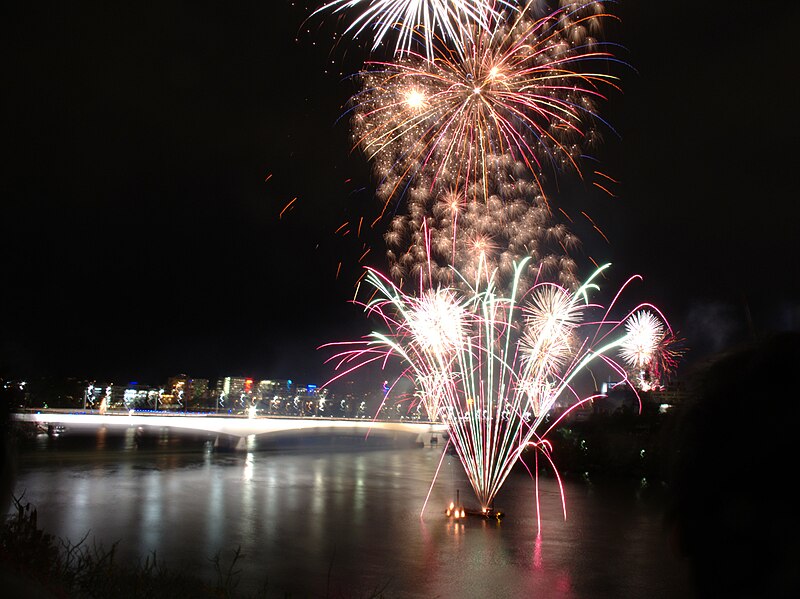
(179, 180)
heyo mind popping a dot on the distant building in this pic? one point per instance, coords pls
(198, 389)
(671, 395)
(234, 392)
(620, 395)
(272, 388)
(136, 396)
(93, 395)
(617, 396)
(273, 395)
(184, 391)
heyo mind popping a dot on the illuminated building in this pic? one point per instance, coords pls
(234, 391)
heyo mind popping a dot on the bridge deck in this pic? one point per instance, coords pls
(239, 426)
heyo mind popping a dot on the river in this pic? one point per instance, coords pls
(342, 519)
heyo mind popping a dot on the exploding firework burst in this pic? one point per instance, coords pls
(519, 90)
(650, 349)
(493, 366)
(645, 332)
(418, 21)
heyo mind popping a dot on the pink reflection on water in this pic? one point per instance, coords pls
(537, 552)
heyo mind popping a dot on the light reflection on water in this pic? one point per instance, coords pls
(296, 513)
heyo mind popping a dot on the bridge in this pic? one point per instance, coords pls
(231, 430)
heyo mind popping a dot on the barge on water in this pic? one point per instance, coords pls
(457, 511)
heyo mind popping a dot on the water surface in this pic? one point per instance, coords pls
(341, 520)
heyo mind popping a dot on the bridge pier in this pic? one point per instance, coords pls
(429, 438)
(150, 436)
(229, 443)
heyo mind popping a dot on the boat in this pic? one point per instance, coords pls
(457, 511)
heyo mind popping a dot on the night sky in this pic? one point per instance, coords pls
(153, 147)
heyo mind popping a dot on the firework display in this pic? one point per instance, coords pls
(478, 104)
(495, 366)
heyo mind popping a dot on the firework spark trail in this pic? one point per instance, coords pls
(481, 238)
(419, 22)
(493, 366)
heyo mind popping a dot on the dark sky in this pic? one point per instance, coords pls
(154, 145)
